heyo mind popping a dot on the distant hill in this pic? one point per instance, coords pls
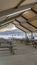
(13, 32)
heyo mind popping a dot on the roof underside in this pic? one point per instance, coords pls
(21, 13)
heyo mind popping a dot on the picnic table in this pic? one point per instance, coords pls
(10, 46)
(34, 43)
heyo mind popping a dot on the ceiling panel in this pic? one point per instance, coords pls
(35, 8)
(15, 23)
(34, 23)
(29, 27)
(6, 4)
(20, 27)
(28, 14)
(21, 19)
(28, 2)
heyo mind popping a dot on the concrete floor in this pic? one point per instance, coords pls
(24, 55)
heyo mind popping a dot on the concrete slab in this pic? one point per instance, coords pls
(25, 55)
(28, 59)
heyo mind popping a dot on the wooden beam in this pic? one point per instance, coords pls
(18, 10)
